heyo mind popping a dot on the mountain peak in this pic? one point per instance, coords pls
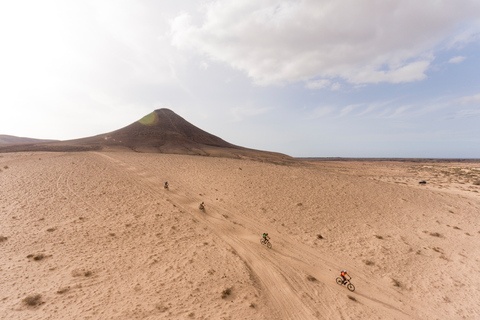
(161, 131)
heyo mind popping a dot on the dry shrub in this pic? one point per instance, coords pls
(226, 293)
(369, 262)
(476, 183)
(379, 237)
(51, 229)
(39, 257)
(161, 308)
(2, 238)
(435, 234)
(444, 257)
(63, 290)
(33, 301)
(252, 305)
(81, 272)
(319, 236)
(311, 278)
(396, 283)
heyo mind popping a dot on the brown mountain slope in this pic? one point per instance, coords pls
(6, 139)
(161, 131)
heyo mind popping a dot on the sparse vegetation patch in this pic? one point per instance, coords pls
(38, 257)
(162, 308)
(226, 293)
(369, 262)
(79, 273)
(63, 290)
(33, 300)
(311, 278)
(396, 283)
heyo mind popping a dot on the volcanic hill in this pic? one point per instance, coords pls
(162, 131)
(6, 139)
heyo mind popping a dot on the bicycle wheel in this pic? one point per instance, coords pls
(269, 245)
(351, 287)
(339, 281)
(261, 241)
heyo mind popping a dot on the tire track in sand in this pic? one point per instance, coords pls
(260, 260)
(280, 272)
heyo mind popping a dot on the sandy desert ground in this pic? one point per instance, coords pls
(94, 235)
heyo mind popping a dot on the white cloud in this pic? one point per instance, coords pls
(322, 111)
(470, 99)
(369, 41)
(318, 84)
(243, 112)
(335, 86)
(457, 59)
(346, 110)
(323, 84)
(469, 113)
(400, 110)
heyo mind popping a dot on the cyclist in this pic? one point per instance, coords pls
(166, 185)
(202, 206)
(344, 273)
(265, 237)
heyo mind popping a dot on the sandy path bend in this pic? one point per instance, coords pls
(260, 260)
(282, 271)
(117, 245)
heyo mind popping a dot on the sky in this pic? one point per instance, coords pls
(308, 78)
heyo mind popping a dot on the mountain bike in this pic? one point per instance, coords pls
(266, 242)
(350, 286)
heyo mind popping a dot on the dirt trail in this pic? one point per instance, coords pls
(283, 272)
(117, 245)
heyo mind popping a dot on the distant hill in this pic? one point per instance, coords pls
(6, 139)
(162, 131)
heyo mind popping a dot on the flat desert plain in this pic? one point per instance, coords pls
(94, 235)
